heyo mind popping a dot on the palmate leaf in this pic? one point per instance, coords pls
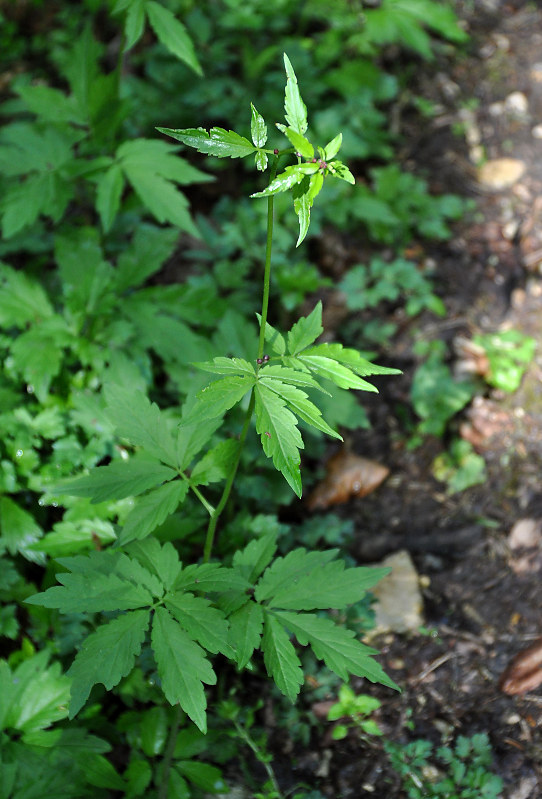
(152, 510)
(336, 646)
(280, 658)
(246, 626)
(107, 655)
(218, 142)
(280, 437)
(118, 480)
(182, 667)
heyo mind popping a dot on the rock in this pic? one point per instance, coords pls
(399, 602)
(501, 173)
(525, 533)
(517, 104)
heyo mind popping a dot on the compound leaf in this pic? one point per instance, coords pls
(182, 666)
(106, 656)
(281, 440)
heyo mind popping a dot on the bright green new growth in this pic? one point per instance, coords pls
(186, 613)
(305, 178)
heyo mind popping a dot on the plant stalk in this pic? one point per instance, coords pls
(247, 738)
(168, 754)
(213, 521)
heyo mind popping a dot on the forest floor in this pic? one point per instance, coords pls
(478, 553)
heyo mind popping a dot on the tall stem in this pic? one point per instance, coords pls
(267, 268)
(213, 521)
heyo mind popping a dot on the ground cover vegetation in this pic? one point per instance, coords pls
(159, 381)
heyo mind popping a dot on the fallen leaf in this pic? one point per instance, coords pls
(348, 476)
(524, 672)
(501, 173)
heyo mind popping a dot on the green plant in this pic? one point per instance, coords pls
(368, 286)
(460, 467)
(356, 708)
(509, 353)
(170, 617)
(436, 395)
(463, 770)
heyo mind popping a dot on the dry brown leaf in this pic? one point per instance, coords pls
(524, 672)
(348, 476)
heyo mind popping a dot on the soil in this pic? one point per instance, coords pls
(482, 598)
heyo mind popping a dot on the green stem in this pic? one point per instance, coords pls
(213, 521)
(168, 754)
(120, 64)
(267, 268)
(246, 737)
